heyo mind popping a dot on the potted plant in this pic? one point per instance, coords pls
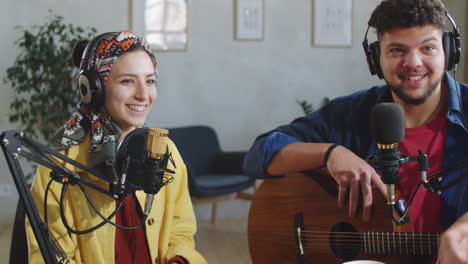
(307, 107)
(43, 76)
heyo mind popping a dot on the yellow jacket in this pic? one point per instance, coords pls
(169, 228)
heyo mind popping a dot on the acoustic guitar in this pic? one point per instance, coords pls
(296, 219)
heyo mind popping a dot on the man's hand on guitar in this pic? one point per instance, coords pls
(354, 177)
(454, 243)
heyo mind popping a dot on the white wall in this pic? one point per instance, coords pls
(24, 14)
(243, 88)
(240, 88)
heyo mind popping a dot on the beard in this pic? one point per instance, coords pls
(400, 93)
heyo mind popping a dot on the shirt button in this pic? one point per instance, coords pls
(150, 221)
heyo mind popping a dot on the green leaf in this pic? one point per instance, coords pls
(42, 76)
(306, 107)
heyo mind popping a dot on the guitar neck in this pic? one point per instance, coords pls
(399, 243)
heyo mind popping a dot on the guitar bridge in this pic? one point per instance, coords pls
(297, 231)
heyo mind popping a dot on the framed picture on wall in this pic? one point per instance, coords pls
(332, 23)
(163, 23)
(248, 19)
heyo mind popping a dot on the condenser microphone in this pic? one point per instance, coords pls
(142, 160)
(388, 130)
(157, 153)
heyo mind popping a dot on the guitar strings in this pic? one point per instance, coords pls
(395, 251)
(371, 250)
(416, 235)
(326, 243)
(382, 238)
(359, 240)
(350, 247)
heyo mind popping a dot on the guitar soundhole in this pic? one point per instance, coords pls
(344, 241)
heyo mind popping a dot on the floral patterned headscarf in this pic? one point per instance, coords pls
(104, 132)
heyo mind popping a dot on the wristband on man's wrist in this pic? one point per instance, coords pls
(327, 154)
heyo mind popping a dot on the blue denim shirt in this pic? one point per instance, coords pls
(346, 121)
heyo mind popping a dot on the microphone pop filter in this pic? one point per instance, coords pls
(143, 157)
(131, 157)
(387, 123)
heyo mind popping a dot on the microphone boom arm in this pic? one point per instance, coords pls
(40, 230)
(14, 144)
(434, 184)
(48, 157)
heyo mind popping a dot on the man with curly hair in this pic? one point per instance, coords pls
(413, 55)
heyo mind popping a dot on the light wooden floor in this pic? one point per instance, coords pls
(224, 242)
(5, 238)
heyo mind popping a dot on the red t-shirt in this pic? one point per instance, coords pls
(425, 212)
(130, 245)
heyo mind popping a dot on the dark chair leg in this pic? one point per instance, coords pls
(214, 207)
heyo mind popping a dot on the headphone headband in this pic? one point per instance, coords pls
(456, 38)
(451, 45)
(90, 47)
(455, 31)
(90, 84)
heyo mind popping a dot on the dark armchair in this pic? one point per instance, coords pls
(213, 175)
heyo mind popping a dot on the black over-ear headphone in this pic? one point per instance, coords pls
(90, 84)
(450, 41)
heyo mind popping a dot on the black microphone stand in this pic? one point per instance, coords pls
(434, 182)
(14, 144)
(41, 232)
(388, 162)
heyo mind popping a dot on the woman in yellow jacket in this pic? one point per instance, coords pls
(117, 85)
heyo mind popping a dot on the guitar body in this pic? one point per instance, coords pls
(271, 222)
